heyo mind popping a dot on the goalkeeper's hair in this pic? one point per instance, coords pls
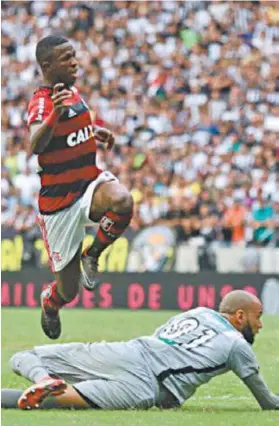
(45, 47)
(237, 299)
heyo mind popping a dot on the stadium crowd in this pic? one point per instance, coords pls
(191, 89)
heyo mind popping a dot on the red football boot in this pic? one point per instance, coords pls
(50, 320)
(35, 394)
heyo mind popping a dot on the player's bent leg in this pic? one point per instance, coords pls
(68, 279)
(112, 206)
(59, 293)
(116, 395)
(72, 399)
(28, 365)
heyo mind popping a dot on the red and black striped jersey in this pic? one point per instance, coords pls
(68, 164)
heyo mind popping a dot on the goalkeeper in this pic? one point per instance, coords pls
(162, 370)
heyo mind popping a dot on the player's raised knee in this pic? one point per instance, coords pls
(17, 359)
(122, 200)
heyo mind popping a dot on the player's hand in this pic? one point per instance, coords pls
(105, 136)
(59, 96)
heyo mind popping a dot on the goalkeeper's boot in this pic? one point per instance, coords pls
(35, 394)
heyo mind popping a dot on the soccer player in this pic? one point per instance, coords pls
(164, 369)
(74, 192)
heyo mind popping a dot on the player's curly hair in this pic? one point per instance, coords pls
(45, 47)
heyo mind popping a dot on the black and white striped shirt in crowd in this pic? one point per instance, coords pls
(273, 98)
(253, 95)
(271, 32)
(115, 116)
(242, 17)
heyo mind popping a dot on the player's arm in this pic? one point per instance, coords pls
(266, 399)
(104, 135)
(41, 133)
(243, 363)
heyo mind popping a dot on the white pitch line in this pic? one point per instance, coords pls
(222, 398)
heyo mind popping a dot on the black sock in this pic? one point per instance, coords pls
(112, 226)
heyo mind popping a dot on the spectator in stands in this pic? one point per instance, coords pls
(24, 222)
(191, 90)
(262, 221)
(234, 220)
(276, 219)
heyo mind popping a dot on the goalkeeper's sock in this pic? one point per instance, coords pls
(9, 398)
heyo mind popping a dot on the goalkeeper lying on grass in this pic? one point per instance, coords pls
(162, 370)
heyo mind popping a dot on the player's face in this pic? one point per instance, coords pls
(64, 65)
(254, 317)
(252, 322)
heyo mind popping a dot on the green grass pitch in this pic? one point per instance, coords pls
(225, 401)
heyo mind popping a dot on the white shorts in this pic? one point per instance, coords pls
(64, 231)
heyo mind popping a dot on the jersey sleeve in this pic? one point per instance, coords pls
(242, 360)
(39, 109)
(266, 399)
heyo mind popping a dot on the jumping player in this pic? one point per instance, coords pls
(164, 369)
(74, 192)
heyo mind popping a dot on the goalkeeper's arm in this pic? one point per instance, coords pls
(266, 399)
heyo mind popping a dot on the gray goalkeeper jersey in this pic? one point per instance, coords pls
(193, 347)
